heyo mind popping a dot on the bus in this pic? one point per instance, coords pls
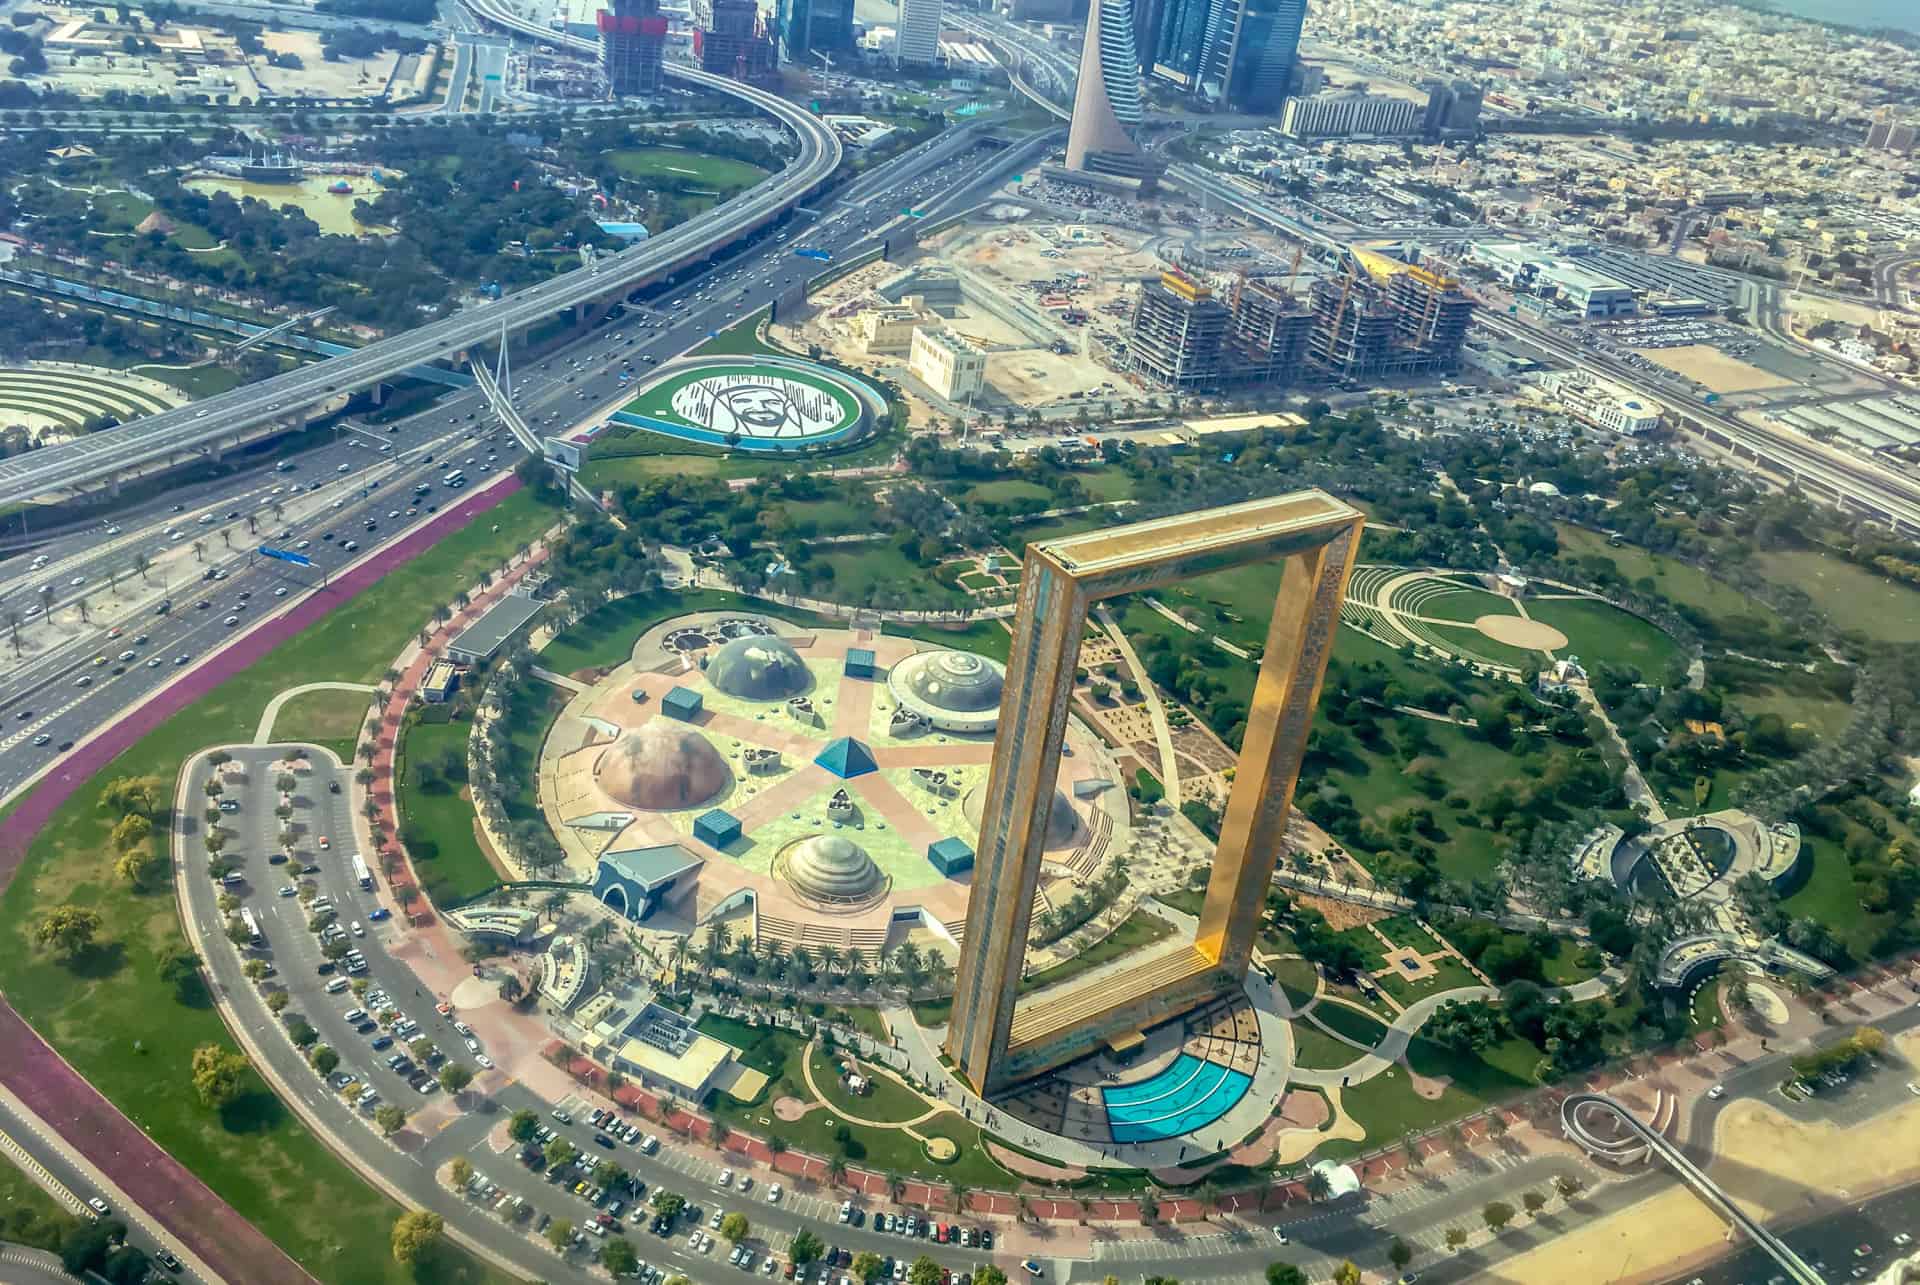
(253, 926)
(361, 872)
(454, 480)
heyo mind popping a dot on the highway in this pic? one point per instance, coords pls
(284, 398)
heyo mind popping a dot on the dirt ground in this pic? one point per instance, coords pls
(348, 78)
(1713, 368)
(1770, 1164)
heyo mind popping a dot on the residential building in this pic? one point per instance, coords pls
(1601, 403)
(1106, 100)
(633, 34)
(1346, 114)
(947, 364)
(918, 42)
(1451, 108)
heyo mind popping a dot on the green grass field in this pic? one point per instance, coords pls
(1298, 979)
(112, 1002)
(888, 1102)
(1671, 577)
(332, 719)
(1316, 1050)
(28, 1215)
(1466, 605)
(1470, 767)
(670, 167)
(1007, 490)
(1449, 974)
(988, 637)
(1342, 1020)
(1599, 633)
(878, 571)
(436, 819)
(1855, 598)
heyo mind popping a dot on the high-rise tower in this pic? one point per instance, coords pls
(1239, 53)
(918, 41)
(633, 34)
(1106, 102)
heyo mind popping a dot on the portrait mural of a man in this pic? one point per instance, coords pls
(757, 406)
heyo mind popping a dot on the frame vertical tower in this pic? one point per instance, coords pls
(992, 1039)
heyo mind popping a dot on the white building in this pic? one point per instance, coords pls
(1339, 115)
(1600, 403)
(918, 40)
(947, 364)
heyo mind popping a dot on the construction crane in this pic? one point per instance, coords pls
(1293, 274)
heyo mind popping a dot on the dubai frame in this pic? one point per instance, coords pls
(994, 1041)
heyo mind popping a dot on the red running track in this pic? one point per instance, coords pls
(189, 1211)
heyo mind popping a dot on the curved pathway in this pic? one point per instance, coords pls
(263, 733)
(1162, 734)
(806, 1066)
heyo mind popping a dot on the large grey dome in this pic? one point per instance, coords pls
(828, 867)
(759, 668)
(662, 767)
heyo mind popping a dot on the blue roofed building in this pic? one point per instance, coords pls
(859, 663)
(682, 703)
(717, 828)
(847, 758)
(950, 856)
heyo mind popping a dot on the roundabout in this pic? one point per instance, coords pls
(765, 403)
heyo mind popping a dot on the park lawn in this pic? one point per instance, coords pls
(96, 1011)
(1600, 633)
(1573, 961)
(1298, 979)
(1109, 484)
(669, 165)
(1472, 645)
(860, 571)
(1469, 767)
(741, 339)
(331, 719)
(1854, 598)
(1316, 1050)
(863, 1019)
(437, 819)
(853, 514)
(1671, 577)
(1357, 1026)
(889, 1101)
(1830, 897)
(1136, 932)
(28, 1215)
(888, 1150)
(1388, 1108)
(1352, 647)
(1019, 535)
(988, 637)
(197, 382)
(605, 636)
(1007, 491)
(522, 802)
(1466, 605)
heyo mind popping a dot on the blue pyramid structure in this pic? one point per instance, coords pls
(847, 758)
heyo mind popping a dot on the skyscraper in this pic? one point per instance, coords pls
(1239, 53)
(1106, 102)
(809, 26)
(919, 39)
(633, 33)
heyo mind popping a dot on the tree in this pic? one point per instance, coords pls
(524, 1127)
(277, 1001)
(255, 970)
(454, 1077)
(805, 1248)
(1318, 1186)
(989, 1275)
(1456, 1237)
(218, 1075)
(668, 1204)
(734, 1227)
(1399, 1254)
(391, 1120)
(924, 1271)
(560, 1152)
(609, 1174)
(460, 1171)
(131, 832)
(68, 929)
(1498, 1214)
(1285, 1274)
(618, 1258)
(415, 1233)
(559, 1232)
(323, 1058)
(1534, 1202)
(1346, 1274)
(132, 866)
(1568, 1186)
(866, 1265)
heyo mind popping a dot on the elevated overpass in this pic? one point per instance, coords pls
(206, 426)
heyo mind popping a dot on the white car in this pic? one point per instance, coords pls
(281, 592)
(98, 1206)
(1717, 1092)
(486, 1063)
(726, 1177)
(773, 1194)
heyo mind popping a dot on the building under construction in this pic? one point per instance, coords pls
(633, 34)
(1268, 337)
(731, 39)
(1188, 340)
(1381, 317)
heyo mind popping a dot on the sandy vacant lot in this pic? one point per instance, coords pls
(1772, 1165)
(348, 78)
(1713, 368)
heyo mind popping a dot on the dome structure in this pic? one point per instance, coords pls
(955, 691)
(662, 767)
(828, 867)
(759, 668)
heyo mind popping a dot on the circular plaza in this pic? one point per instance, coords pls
(760, 403)
(824, 782)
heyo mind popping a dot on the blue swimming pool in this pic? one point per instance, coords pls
(1190, 1094)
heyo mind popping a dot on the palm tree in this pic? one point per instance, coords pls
(831, 958)
(678, 953)
(713, 949)
(142, 564)
(836, 1171)
(1318, 1186)
(199, 551)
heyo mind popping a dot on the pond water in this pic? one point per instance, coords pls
(332, 211)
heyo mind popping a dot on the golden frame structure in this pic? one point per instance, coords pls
(993, 1040)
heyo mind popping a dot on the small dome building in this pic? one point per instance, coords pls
(955, 691)
(662, 767)
(759, 668)
(830, 868)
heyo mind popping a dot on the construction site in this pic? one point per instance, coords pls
(1384, 318)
